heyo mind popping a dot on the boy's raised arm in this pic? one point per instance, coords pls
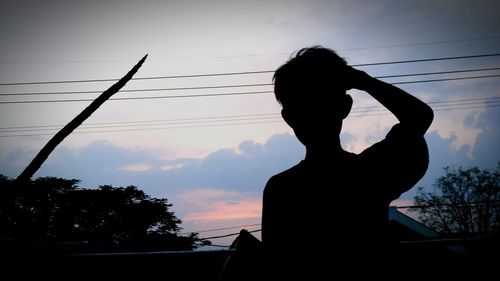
(410, 111)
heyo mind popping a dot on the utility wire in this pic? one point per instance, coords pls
(238, 85)
(153, 129)
(227, 94)
(438, 72)
(445, 79)
(423, 43)
(141, 78)
(142, 122)
(494, 202)
(359, 114)
(435, 104)
(244, 117)
(277, 115)
(243, 72)
(426, 60)
(142, 98)
(366, 109)
(228, 235)
(140, 90)
(256, 55)
(226, 228)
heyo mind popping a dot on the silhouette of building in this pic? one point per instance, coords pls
(423, 252)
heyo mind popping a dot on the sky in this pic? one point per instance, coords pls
(212, 155)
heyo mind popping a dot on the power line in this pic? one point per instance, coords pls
(142, 98)
(427, 60)
(240, 73)
(154, 124)
(140, 90)
(151, 129)
(230, 117)
(239, 85)
(229, 235)
(455, 101)
(253, 55)
(439, 105)
(434, 109)
(243, 117)
(226, 228)
(494, 202)
(356, 114)
(227, 94)
(424, 43)
(445, 79)
(438, 72)
(141, 122)
(139, 78)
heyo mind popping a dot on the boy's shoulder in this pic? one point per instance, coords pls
(289, 175)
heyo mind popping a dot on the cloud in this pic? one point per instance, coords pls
(172, 166)
(461, 127)
(217, 204)
(244, 169)
(211, 211)
(229, 211)
(13, 162)
(484, 153)
(224, 210)
(227, 184)
(204, 196)
(140, 167)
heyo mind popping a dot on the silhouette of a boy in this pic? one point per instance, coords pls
(328, 215)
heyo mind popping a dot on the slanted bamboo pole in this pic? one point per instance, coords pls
(35, 164)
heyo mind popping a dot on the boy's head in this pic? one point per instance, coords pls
(313, 68)
(311, 88)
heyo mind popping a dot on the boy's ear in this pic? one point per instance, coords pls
(346, 108)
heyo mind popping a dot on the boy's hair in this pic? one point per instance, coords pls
(312, 69)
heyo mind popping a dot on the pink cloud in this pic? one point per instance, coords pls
(228, 210)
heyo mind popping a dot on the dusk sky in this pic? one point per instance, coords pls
(212, 155)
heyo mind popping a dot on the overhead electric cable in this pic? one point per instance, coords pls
(227, 94)
(354, 114)
(241, 117)
(437, 72)
(423, 43)
(141, 90)
(241, 72)
(226, 228)
(255, 55)
(149, 121)
(229, 235)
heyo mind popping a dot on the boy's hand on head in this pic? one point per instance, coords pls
(356, 79)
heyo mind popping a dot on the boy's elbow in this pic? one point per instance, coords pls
(425, 119)
(428, 117)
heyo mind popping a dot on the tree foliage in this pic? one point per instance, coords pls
(43, 214)
(464, 201)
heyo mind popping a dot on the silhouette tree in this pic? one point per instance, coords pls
(50, 214)
(464, 201)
